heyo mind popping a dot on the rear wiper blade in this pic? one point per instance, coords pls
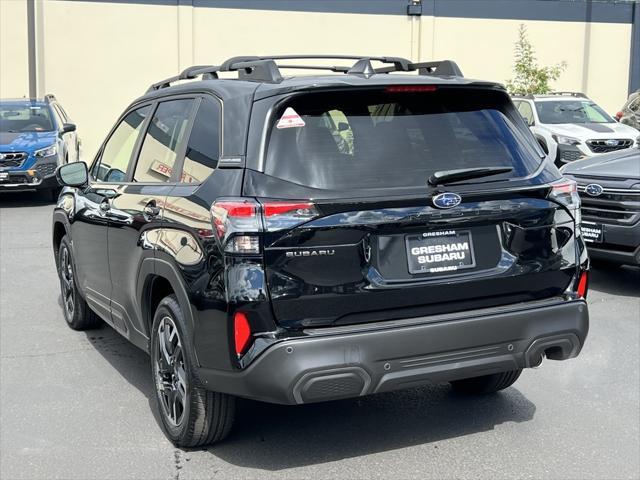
(444, 177)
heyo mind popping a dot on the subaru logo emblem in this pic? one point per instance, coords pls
(611, 143)
(446, 200)
(594, 190)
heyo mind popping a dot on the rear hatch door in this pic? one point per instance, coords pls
(366, 238)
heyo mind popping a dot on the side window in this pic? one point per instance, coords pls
(165, 134)
(203, 149)
(116, 154)
(635, 105)
(526, 111)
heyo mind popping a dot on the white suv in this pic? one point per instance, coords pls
(570, 126)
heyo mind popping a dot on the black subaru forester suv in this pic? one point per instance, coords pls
(310, 238)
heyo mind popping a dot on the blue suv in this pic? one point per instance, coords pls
(35, 137)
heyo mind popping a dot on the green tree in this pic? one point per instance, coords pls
(530, 78)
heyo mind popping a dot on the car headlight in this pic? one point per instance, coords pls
(47, 152)
(561, 139)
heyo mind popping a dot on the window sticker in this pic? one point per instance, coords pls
(290, 119)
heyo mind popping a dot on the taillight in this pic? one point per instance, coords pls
(286, 215)
(565, 192)
(241, 333)
(619, 115)
(583, 285)
(238, 222)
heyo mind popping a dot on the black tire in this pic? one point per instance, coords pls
(76, 311)
(191, 415)
(487, 383)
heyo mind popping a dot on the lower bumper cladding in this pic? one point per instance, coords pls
(361, 362)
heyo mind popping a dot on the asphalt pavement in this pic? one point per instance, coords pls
(77, 405)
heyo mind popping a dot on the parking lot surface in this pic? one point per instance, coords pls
(77, 405)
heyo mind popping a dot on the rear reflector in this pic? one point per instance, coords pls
(411, 88)
(583, 285)
(241, 332)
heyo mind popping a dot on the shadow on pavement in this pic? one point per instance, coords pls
(616, 280)
(276, 437)
(24, 199)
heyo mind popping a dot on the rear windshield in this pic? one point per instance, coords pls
(388, 139)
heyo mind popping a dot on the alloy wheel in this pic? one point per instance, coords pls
(67, 283)
(170, 372)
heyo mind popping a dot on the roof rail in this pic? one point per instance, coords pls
(265, 68)
(569, 94)
(49, 97)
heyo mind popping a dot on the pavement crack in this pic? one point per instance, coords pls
(47, 354)
(177, 461)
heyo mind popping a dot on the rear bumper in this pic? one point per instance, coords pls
(360, 360)
(622, 245)
(611, 254)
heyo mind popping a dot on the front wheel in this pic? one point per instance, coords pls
(486, 383)
(191, 415)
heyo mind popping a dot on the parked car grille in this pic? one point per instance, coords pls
(12, 159)
(46, 169)
(614, 206)
(570, 155)
(600, 146)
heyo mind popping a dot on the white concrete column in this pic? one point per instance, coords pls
(185, 34)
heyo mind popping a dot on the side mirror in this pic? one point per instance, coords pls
(68, 127)
(73, 174)
(528, 121)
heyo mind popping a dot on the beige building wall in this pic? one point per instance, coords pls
(597, 54)
(96, 57)
(100, 56)
(14, 59)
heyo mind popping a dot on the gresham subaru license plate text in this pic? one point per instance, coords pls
(435, 252)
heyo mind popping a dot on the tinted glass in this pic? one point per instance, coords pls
(571, 111)
(165, 134)
(21, 117)
(369, 140)
(116, 154)
(203, 149)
